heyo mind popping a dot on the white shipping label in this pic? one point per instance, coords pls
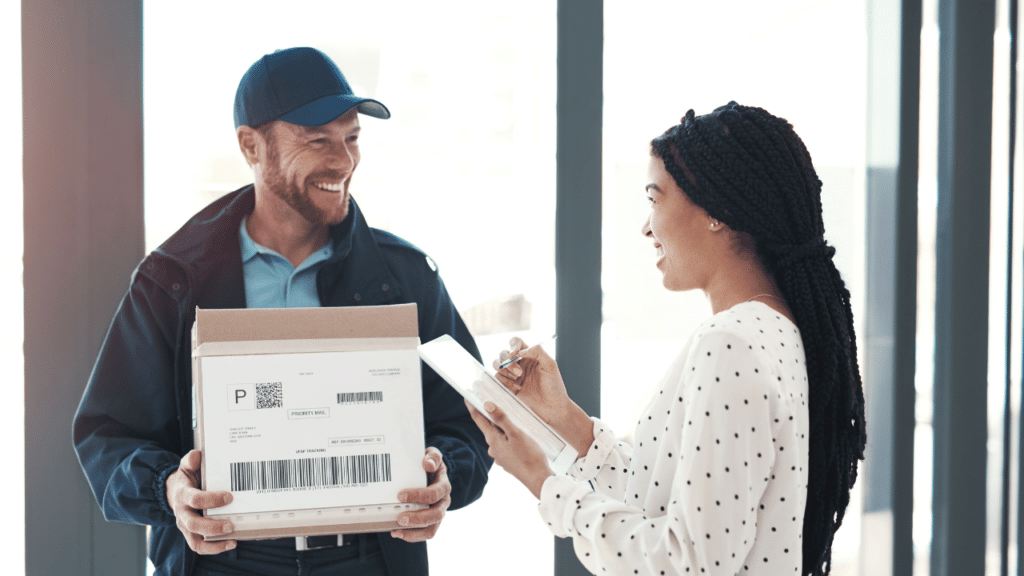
(310, 431)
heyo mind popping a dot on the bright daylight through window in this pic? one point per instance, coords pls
(464, 168)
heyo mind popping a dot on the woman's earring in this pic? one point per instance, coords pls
(714, 223)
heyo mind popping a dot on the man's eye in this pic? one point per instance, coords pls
(318, 141)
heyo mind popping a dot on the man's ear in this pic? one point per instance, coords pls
(249, 142)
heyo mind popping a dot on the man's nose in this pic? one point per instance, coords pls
(342, 157)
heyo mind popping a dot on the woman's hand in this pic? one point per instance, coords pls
(535, 380)
(512, 449)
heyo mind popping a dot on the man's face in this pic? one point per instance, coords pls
(310, 167)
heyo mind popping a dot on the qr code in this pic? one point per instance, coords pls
(269, 395)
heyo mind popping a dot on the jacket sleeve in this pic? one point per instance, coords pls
(126, 431)
(448, 425)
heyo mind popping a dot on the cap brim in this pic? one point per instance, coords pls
(324, 110)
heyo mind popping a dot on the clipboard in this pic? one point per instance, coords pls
(477, 384)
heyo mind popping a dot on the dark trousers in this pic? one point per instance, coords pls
(279, 558)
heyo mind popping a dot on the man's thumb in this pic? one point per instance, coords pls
(191, 461)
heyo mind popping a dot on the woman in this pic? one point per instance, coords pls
(745, 457)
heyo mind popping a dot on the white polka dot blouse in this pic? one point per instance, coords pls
(717, 480)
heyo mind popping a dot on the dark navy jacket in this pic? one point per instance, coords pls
(135, 420)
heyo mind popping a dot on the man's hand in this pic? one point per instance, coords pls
(423, 524)
(185, 498)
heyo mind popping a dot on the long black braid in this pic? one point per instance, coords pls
(750, 170)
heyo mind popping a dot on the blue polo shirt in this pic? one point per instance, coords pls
(272, 282)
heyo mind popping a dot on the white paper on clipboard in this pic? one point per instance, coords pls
(475, 383)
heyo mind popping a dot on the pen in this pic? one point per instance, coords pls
(516, 358)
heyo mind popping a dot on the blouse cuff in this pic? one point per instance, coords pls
(560, 498)
(587, 468)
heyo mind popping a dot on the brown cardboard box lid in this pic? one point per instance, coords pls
(248, 324)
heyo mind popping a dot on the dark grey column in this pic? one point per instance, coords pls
(961, 308)
(1013, 520)
(578, 215)
(1010, 522)
(82, 64)
(894, 54)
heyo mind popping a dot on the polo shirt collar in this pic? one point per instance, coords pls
(250, 248)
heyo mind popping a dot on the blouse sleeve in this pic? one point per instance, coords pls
(718, 478)
(606, 465)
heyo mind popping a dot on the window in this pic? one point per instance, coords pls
(464, 168)
(805, 62)
(12, 410)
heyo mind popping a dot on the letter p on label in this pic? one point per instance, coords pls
(241, 397)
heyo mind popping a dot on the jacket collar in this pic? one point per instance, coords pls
(209, 248)
(357, 274)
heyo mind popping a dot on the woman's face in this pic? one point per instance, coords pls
(680, 229)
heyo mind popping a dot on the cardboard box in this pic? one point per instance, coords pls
(311, 417)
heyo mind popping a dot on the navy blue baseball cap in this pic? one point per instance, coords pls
(298, 85)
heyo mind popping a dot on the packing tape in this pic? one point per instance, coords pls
(306, 345)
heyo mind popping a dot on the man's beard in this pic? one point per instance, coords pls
(297, 197)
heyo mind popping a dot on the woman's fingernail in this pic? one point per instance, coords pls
(231, 546)
(517, 371)
(403, 521)
(227, 528)
(489, 406)
(227, 499)
(503, 356)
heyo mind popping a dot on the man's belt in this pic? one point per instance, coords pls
(328, 541)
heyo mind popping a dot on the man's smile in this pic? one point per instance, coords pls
(330, 186)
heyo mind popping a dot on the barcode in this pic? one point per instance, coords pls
(360, 397)
(268, 395)
(311, 472)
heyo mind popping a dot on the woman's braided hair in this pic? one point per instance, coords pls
(750, 170)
